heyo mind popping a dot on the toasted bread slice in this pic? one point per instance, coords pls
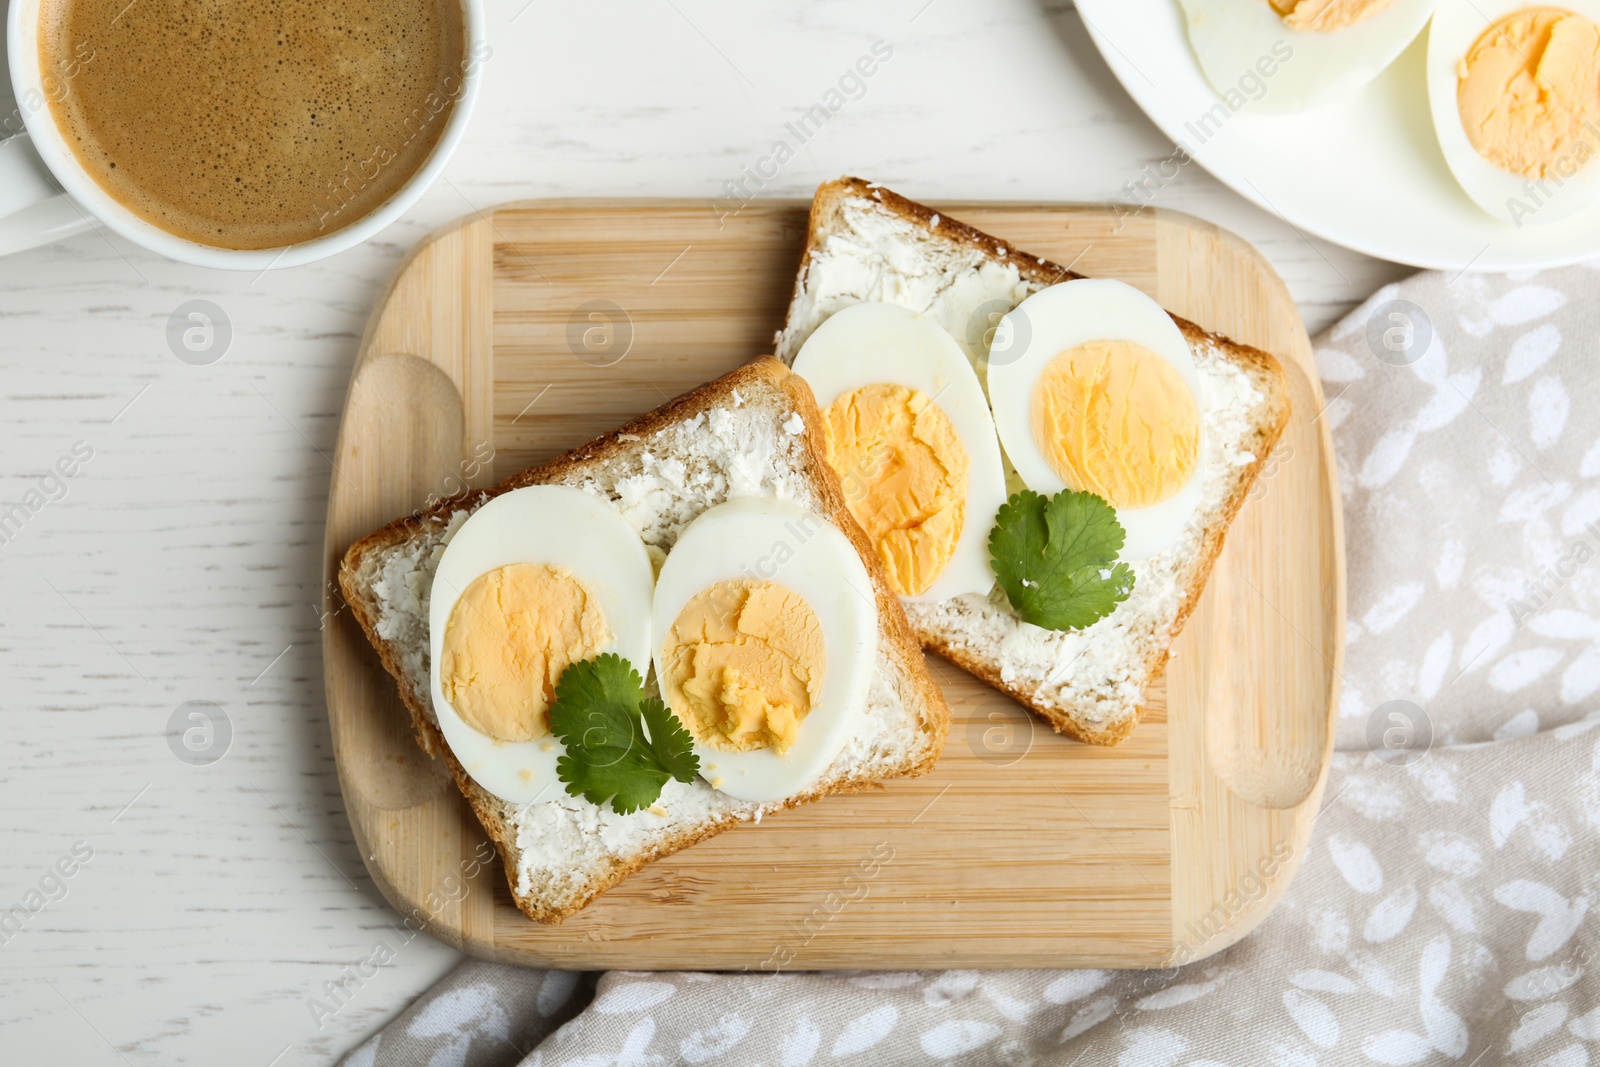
(754, 431)
(867, 244)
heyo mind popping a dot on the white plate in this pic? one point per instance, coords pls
(1365, 172)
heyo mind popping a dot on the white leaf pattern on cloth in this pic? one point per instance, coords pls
(1389, 916)
(1523, 724)
(1430, 675)
(1447, 403)
(1385, 459)
(1075, 985)
(1387, 612)
(1446, 1031)
(1538, 1023)
(1151, 1047)
(1548, 408)
(1335, 366)
(1530, 352)
(1526, 304)
(1486, 640)
(1016, 1009)
(1558, 917)
(1571, 1056)
(800, 1044)
(1521, 669)
(1582, 677)
(1542, 982)
(633, 1049)
(1091, 1015)
(1357, 863)
(865, 1031)
(1507, 813)
(1172, 996)
(1451, 852)
(1314, 1018)
(952, 985)
(1586, 1026)
(1323, 982)
(1582, 513)
(1454, 906)
(958, 1036)
(1397, 1047)
(712, 1042)
(634, 996)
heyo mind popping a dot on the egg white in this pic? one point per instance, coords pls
(1061, 317)
(1456, 27)
(1238, 41)
(561, 527)
(873, 343)
(775, 541)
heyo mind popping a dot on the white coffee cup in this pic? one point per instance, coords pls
(46, 195)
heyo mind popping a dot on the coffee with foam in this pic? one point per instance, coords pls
(249, 124)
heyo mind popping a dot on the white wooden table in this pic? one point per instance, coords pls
(180, 562)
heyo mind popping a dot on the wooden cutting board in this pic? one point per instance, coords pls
(524, 331)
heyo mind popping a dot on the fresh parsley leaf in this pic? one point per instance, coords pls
(670, 742)
(621, 745)
(1056, 558)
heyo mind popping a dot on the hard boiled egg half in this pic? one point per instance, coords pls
(910, 436)
(1515, 94)
(534, 580)
(1285, 55)
(766, 629)
(1098, 391)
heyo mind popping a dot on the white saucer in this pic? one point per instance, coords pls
(1365, 172)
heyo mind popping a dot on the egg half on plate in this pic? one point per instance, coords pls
(1098, 392)
(1285, 55)
(910, 436)
(534, 580)
(1514, 90)
(766, 629)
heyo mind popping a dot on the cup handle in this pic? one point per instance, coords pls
(33, 209)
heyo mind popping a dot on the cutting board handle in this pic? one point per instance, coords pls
(413, 408)
(1269, 743)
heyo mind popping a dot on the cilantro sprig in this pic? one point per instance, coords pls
(621, 745)
(1056, 558)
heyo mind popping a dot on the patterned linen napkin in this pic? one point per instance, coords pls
(1442, 910)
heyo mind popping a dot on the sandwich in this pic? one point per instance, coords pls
(1045, 464)
(673, 629)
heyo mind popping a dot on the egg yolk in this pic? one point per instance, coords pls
(1529, 92)
(743, 665)
(1114, 418)
(1325, 16)
(512, 633)
(904, 473)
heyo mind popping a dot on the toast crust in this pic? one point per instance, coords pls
(896, 635)
(1262, 367)
(831, 195)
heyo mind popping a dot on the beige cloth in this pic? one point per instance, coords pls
(1442, 912)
